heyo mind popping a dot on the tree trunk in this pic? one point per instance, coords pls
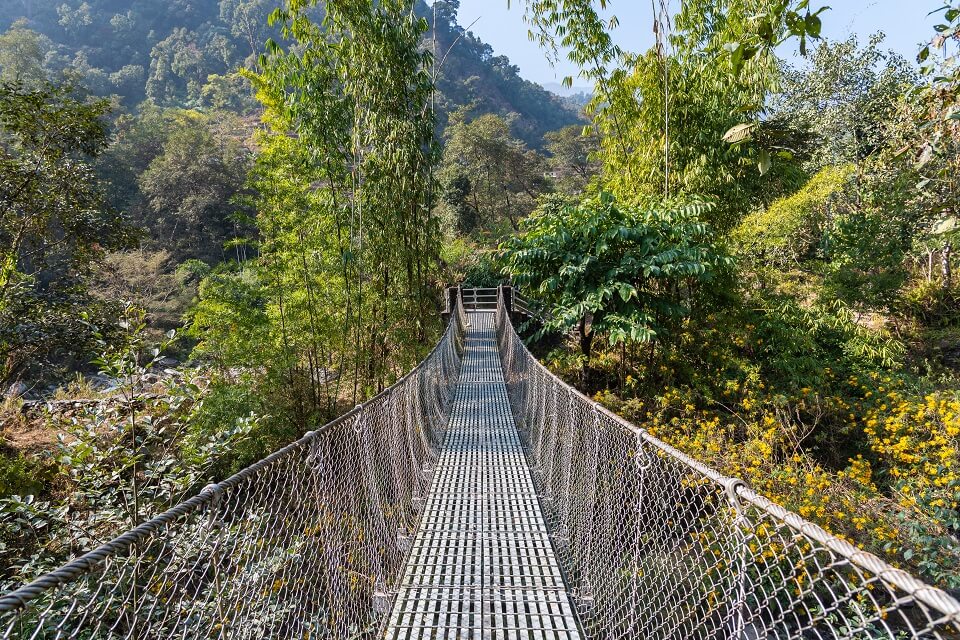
(945, 266)
(586, 344)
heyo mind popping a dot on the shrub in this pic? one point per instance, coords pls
(930, 303)
(790, 229)
(22, 474)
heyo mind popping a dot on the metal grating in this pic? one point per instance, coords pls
(481, 564)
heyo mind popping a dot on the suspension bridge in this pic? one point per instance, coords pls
(478, 497)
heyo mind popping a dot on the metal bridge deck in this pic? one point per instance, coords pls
(481, 565)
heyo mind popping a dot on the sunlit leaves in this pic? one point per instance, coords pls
(945, 226)
(739, 133)
(774, 24)
(764, 161)
(619, 264)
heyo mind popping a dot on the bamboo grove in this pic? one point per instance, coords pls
(348, 247)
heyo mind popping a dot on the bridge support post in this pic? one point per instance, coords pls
(738, 619)
(507, 291)
(450, 295)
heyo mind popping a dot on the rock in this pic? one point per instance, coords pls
(16, 390)
(103, 383)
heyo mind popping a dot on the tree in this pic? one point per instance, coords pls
(571, 160)
(611, 269)
(845, 98)
(661, 115)
(75, 20)
(343, 187)
(136, 139)
(231, 92)
(189, 188)
(22, 53)
(939, 139)
(491, 179)
(181, 63)
(53, 225)
(248, 20)
(663, 133)
(150, 281)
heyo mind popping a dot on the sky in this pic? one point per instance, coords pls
(906, 23)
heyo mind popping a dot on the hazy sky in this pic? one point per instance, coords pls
(905, 22)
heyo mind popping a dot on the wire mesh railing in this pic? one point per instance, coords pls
(306, 543)
(656, 545)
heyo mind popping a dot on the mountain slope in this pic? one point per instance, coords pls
(181, 52)
(471, 74)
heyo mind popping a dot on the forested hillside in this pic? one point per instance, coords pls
(186, 54)
(223, 224)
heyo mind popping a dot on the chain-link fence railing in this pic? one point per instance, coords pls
(306, 543)
(656, 545)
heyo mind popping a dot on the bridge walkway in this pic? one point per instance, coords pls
(481, 565)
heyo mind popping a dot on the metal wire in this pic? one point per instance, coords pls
(305, 543)
(656, 545)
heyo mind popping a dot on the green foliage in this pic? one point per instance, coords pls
(773, 25)
(180, 175)
(612, 269)
(247, 21)
(230, 320)
(791, 229)
(339, 297)
(489, 180)
(572, 164)
(22, 53)
(845, 99)
(189, 188)
(844, 338)
(181, 63)
(930, 303)
(184, 54)
(120, 462)
(484, 272)
(53, 225)
(226, 402)
(230, 92)
(944, 69)
(166, 50)
(670, 113)
(866, 251)
(149, 280)
(22, 474)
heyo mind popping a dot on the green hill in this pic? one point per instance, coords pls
(181, 53)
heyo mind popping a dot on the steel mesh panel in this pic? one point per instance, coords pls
(656, 545)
